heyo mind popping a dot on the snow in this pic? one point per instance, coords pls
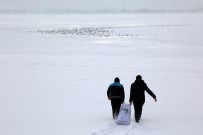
(55, 84)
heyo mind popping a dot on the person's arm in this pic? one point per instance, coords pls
(123, 94)
(131, 95)
(150, 92)
(108, 93)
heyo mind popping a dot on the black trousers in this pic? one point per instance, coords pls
(116, 104)
(138, 109)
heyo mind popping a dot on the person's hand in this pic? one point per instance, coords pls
(130, 103)
(155, 99)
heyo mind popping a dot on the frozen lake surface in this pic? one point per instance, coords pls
(55, 71)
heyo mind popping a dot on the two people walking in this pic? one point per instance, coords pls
(116, 94)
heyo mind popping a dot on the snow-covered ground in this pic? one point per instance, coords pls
(54, 83)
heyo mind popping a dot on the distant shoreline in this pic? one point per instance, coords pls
(102, 11)
(94, 13)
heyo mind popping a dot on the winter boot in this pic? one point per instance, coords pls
(115, 115)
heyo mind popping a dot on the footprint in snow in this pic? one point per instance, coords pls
(114, 129)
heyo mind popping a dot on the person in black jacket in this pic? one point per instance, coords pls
(116, 94)
(137, 96)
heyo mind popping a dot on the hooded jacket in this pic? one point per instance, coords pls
(116, 90)
(137, 91)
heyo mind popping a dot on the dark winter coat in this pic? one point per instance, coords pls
(137, 91)
(116, 90)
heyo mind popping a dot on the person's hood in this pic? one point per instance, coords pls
(116, 84)
(139, 81)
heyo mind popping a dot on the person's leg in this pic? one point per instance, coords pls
(138, 110)
(118, 106)
(140, 113)
(135, 109)
(114, 107)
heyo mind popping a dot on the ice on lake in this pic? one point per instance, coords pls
(55, 70)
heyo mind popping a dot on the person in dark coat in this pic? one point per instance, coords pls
(116, 94)
(137, 96)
